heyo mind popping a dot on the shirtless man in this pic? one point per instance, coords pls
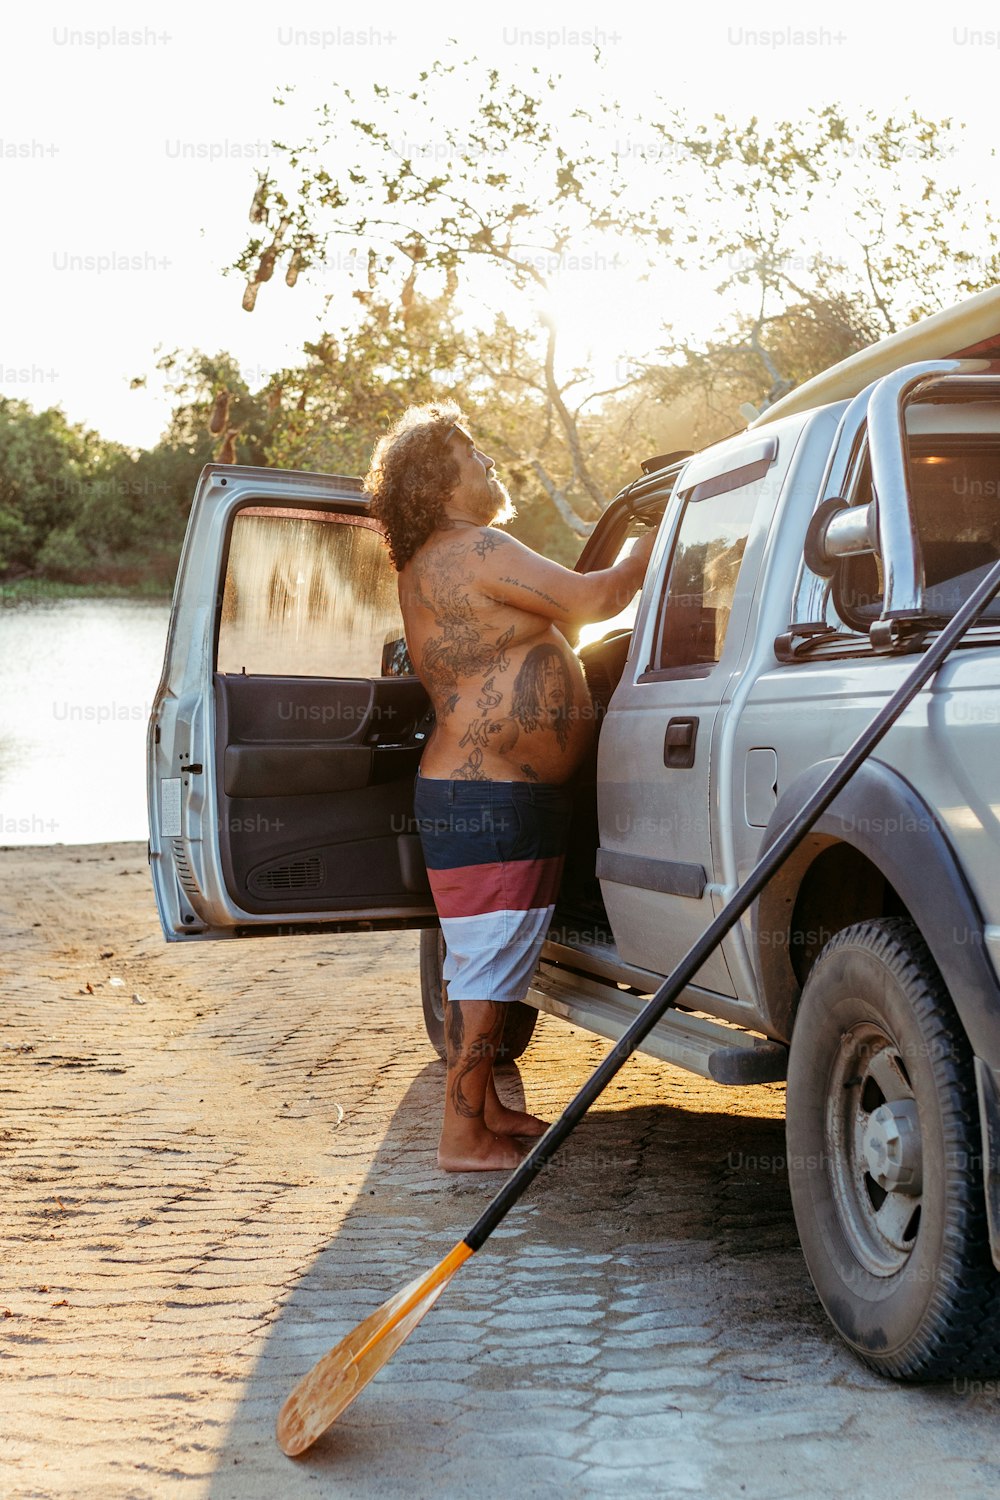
(484, 618)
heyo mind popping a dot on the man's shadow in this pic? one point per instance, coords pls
(654, 1222)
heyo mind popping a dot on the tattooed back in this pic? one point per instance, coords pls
(509, 694)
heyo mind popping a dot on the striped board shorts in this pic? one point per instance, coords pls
(494, 852)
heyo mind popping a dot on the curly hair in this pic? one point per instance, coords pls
(412, 473)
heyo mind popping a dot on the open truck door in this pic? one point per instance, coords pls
(288, 724)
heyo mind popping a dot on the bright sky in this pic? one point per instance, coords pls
(96, 138)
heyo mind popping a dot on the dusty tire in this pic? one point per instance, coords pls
(520, 1020)
(884, 1158)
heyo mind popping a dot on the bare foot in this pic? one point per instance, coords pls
(493, 1153)
(504, 1121)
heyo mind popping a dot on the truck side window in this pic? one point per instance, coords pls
(309, 594)
(701, 584)
(953, 482)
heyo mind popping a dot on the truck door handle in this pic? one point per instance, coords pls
(679, 743)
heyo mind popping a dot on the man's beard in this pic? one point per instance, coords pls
(498, 501)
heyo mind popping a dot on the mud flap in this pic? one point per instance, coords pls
(989, 1119)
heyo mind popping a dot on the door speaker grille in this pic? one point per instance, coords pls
(297, 875)
(184, 874)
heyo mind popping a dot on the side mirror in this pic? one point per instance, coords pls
(838, 530)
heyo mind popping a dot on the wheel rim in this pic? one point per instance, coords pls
(875, 1149)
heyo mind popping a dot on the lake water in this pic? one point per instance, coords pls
(77, 679)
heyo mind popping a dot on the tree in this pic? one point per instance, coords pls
(907, 247)
(425, 185)
(76, 507)
(46, 467)
(216, 417)
(353, 386)
(515, 191)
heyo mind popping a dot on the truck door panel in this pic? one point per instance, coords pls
(315, 789)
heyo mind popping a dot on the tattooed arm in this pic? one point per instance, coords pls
(516, 575)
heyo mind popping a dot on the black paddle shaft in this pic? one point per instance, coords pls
(542, 1153)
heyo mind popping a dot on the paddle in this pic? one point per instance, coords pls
(341, 1375)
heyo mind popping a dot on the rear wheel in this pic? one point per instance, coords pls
(519, 1022)
(885, 1163)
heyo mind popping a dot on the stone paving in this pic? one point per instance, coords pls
(215, 1168)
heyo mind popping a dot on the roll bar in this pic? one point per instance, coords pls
(886, 525)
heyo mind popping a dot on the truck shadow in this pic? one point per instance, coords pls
(660, 1239)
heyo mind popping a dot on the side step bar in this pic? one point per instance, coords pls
(710, 1048)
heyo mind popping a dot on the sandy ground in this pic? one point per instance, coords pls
(216, 1167)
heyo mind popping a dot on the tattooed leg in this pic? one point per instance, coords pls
(473, 1029)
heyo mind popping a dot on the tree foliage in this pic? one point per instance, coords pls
(459, 203)
(74, 506)
(466, 177)
(512, 192)
(47, 471)
(845, 229)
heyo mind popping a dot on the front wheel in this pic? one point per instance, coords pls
(519, 1022)
(885, 1163)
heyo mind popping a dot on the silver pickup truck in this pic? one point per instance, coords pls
(798, 568)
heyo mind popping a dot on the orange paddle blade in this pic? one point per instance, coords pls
(339, 1376)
